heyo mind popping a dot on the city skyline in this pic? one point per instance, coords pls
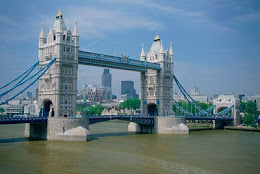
(215, 43)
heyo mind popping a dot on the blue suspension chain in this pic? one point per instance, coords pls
(20, 75)
(181, 108)
(46, 68)
(21, 83)
(184, 92)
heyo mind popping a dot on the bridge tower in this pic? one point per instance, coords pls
(157, 86)
(58, 86)
(224, 101)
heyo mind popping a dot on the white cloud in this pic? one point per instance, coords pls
(7, 21)
(179, 12)
(251, 16)
(95, 22)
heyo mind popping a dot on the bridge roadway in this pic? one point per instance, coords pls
(102, 60)
(209, 118)
(22, 119)
(143, 120)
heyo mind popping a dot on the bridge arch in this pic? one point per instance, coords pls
(219, 109)
(47, 109)
(152, 109)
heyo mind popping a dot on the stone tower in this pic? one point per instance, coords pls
(157, 86)
(58, 86)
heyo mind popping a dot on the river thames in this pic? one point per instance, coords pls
(114, 150)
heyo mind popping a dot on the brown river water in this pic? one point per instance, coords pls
(114, 150)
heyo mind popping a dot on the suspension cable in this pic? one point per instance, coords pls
(21, 83)
(47, 67)
(32, 67)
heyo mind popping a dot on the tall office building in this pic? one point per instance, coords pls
(29, 95)
(106, 78)
(106, 85)
(36, 94)
(127, 88)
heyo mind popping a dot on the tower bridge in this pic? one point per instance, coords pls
(59, 57)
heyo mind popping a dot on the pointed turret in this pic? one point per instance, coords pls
(50, 33)
(42, 34)
(59, 24)
(59, 15)
(142, 52)
(161, 48)
(142, 55)
(75, 31)
(171, 51)
(156, 38)
(59, 27)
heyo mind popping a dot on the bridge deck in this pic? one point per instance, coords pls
(23, 119)
(209, 118)
(102, 60)
(143, 120)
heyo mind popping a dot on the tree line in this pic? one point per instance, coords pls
(250, 110)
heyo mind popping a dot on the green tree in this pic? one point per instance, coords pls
(187, 106)
(243, 105)
(248, 119)
(251, 107)
(91, 110)
(2, 110)
(95, 110)
(130, 104)
(80, 109)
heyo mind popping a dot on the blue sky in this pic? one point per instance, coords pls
(216, 43)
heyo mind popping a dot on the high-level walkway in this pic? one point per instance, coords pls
(125, 63)
(142, 120)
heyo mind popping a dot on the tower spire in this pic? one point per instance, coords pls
(75, 30)
(42, 34)
(142, 52)
(59, 15)
(170, 51)
(161, 48)
(156, 38)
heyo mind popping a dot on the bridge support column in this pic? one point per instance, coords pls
(134, 127)
(63, 129)
(170, 125)
(162, 125)
(36, 131)
(236, 113)
(237, 118)
(218, 124)
(68, 129)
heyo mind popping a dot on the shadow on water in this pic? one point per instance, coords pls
(115, 134)
(13, 140)
(200, 129)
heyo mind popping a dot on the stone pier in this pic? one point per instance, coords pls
(162, 125)
(62, 129)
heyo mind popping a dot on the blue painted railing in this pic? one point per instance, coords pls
(144, 120)
(96, 59)
(22, 119)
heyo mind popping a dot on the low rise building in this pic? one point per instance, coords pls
(256, 99)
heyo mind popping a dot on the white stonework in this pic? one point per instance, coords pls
(157, 86)
(226, 100)
(162, 125)
(170, 125)
(58, 86)
(134, 127)
(75, 134)
(57, 127)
